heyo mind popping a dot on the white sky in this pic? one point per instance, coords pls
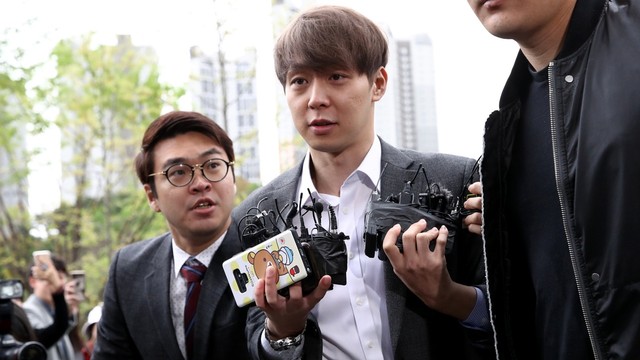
(471, 65)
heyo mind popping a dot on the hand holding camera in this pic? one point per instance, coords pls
(424, 270)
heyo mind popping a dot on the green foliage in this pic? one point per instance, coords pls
(103, 97)
(243, 189)
(16, 110)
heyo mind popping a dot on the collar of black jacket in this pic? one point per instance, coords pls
(583, 22)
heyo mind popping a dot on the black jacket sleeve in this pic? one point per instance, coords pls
(52, 333)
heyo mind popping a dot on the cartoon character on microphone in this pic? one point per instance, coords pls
(280, 259)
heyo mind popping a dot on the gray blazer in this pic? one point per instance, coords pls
(417, 332)
(136, 317)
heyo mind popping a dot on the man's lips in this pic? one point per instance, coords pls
(321, 126)
(204, 203)
(321, 122)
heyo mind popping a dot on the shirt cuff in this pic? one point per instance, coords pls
(478, 319)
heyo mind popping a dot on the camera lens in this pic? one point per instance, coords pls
(28, 351)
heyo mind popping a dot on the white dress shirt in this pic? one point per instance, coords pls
(353, 318)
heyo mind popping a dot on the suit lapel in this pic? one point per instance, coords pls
(392, 180)
(214, 286)
(157, 282)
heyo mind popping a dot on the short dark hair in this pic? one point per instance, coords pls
(170, 125)
(327, 37)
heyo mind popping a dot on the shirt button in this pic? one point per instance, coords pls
(359, 301)
(370, 344)
(595, 277)
(351, 255)
(568, 78)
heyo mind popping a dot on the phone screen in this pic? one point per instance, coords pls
(79, 277)
(42, 258)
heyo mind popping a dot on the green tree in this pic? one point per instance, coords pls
(17, 120)
(105, 96)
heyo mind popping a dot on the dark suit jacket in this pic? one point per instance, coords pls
(417, 332)
(136, 319)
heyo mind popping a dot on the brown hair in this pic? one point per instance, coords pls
(170, 125)
(326, 37)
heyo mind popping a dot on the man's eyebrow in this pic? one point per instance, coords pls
(173, 161)
(183, 160)
(212, 151)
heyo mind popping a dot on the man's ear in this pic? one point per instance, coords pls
(379, 84)
(151, 198)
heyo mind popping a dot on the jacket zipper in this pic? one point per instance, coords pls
(582, 293)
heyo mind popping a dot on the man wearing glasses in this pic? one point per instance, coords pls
(167, 297)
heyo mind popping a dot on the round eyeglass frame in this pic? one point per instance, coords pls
(193, 171)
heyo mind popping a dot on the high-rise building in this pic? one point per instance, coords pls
(406, 115)
(225, 91)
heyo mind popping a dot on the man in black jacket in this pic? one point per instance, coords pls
(560, 178)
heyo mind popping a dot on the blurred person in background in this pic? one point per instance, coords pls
(52, 308)
(90, 330)
(560, 175)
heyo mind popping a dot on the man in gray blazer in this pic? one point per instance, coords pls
(419, 304)
(186, 168)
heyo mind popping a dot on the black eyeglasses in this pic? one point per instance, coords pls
(180, 175)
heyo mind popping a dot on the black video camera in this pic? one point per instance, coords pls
(437, 205)
(325, 250)
(10, 348)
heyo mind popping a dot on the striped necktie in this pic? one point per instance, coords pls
(193, 272)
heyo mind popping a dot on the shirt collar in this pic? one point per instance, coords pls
(205, 256)
(368, 172)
